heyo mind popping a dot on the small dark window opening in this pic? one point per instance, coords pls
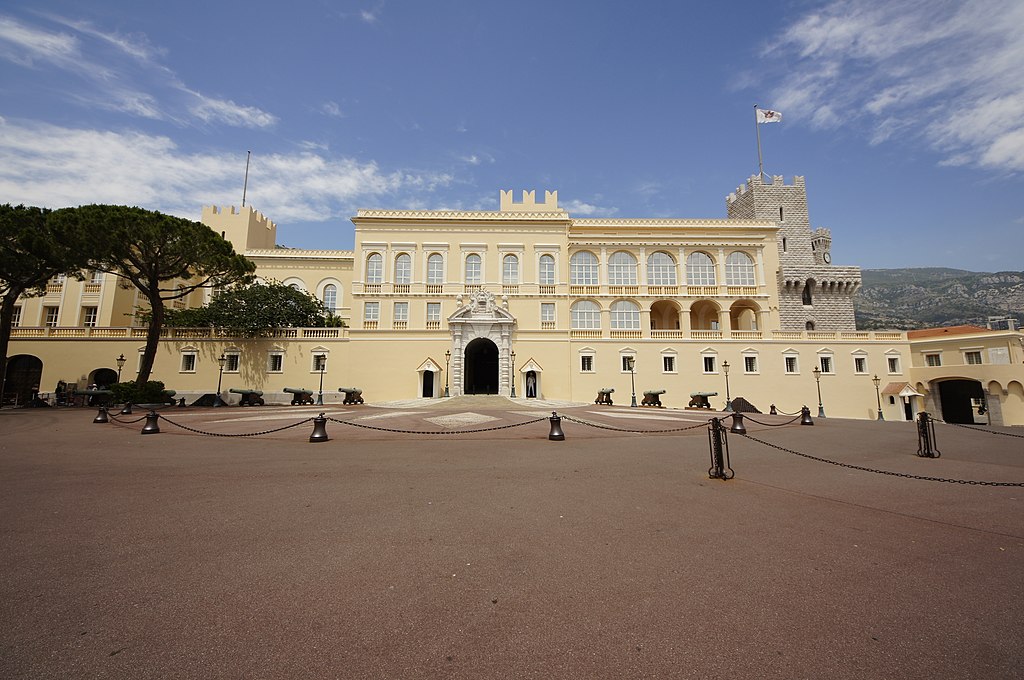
(783, 244)
(780, 213)
(809, 325)
(808, 291)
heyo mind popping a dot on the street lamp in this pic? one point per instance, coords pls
(513, 354)
(728, 398)
(817, 379)
(631, 363)
(120, 364)
(447, 360)
(878, 396)
(321, 360)
(220, 360)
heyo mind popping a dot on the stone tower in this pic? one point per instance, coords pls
(814, 294)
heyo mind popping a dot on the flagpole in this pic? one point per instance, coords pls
(245, 185)
(757, 130)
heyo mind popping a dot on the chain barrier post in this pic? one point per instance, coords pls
(152, 425)
(101, 417)
(737, 424)
(926, 436)
(773, 412)
(319, 429)
(127, 410)
(556, 434)
(805, 416)
(720, 466)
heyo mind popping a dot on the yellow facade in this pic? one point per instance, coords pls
(530, 299)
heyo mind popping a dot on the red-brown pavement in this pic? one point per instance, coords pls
(501, 554)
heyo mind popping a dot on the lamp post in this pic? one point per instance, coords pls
(728, 397)
(878, 396)
(222, 359)
(120, 364)
(321, 360)
(447, 361)
(513, 354)
(632, 379)
(817, 379)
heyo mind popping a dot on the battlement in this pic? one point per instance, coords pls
(255, 216)
(244, 227)
(823, 232)
(529, 202)
(756, 181)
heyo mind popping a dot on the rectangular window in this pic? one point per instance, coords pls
(933, 359)
(668, 364)
(826, 364)
(435, 269)
(791, 365)
(972, 358)
(628, 361)
(547, 270)
(16, 319)
(547, 312)
(371, 311)
(433, 311)
(709, 365)
(89, 317)
(750, 364)
(401, 311)
(275, 362)
(894, 364)
(51, 316)
(319, 362)
(188, 362)
(860, 365)
(96, 276)
(587, 363)
(231, 362)
(473, 265)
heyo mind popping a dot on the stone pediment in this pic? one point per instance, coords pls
(481, 306)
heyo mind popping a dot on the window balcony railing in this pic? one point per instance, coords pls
(706, 335)
(545, 289)
(626, 335)
(433, 325)
(747, 335)
(54, 287)
(92, 287)
(741, 291)
(584, 290)
(399, 325)
(659, 334)
(510, 289)
(472, 288)
(624, 290)
(587, 334)
(662, 290)
(435, 288)
(401, 288)
(371, 288)
(701, 291)
(547, 325)
(370, 324)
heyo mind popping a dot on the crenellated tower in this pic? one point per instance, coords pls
(814, 294)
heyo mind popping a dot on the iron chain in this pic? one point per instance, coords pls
(224, 434)
(619, 429)
(391, 429)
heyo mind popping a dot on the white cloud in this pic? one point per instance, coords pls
(331, 109)
(943, 71)
(211, 110)
(577, 207)
(53, 166)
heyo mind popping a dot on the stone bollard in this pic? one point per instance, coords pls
(319, 429)
(152, 425)
(805, 416)
(556, 434)
(101, 417)
(737, 424)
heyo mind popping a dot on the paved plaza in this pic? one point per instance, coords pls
(485, 550)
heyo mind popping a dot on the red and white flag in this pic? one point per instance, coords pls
(768, 116)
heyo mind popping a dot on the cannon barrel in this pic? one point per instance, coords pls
(239, 390)
(297, 390)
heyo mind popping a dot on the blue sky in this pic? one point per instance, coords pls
(906, 118)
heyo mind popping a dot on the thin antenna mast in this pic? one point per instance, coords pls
(248, 154)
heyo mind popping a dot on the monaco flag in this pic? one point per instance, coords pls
(766, 116)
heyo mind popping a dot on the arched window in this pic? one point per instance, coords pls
(700, 270)
(547, 270)
(510, 270)
(622, 269)
(374, 268)
(809, 325)
(330, 297)
(403, 268)
(625, 315)
(661, 269)
(583, 269)
(739, 269)
(435, 268)
(473, 269)
(586, 315)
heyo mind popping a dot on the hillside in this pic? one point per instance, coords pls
(930, 297)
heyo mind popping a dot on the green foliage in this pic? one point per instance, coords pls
(255, 310)
(150, 392)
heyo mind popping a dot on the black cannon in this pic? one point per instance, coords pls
(700, 399)
(353, 395)
(604, 396)
(248, 397)
(652, 398)
(300, 396)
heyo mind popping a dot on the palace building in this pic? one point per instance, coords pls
(529, 301)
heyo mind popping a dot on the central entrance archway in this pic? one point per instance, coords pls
(481, 371)
(960, 399)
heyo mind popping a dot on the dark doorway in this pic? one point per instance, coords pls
(428, 383)
(23, 374)
(531, 384)
(956, 396)
(481, 367)
(103, 377)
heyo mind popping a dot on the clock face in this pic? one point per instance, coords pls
(827, 257)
